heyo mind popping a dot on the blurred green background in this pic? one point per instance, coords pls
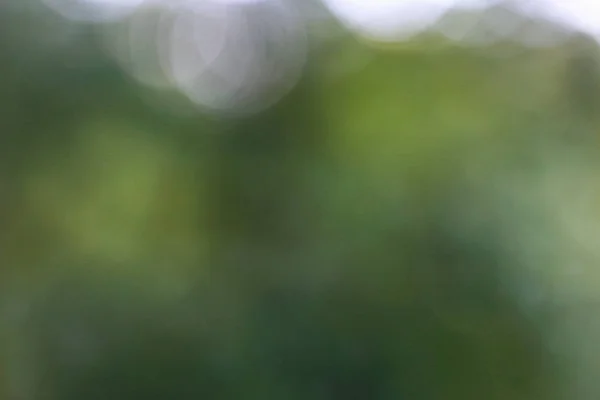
(413, 218)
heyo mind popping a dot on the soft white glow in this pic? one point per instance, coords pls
(579, 14)
(196, 39)
(139, 43)
(384, 19)
(236, 59)
(396, 19)
(387, 18)
(225, 56)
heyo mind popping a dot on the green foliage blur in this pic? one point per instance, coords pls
(391, 229)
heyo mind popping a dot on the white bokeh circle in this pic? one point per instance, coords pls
(388, 19)
(236, 58)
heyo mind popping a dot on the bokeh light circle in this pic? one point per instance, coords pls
(138, 43)
(230, 57)
(236, 59)
(387, 19)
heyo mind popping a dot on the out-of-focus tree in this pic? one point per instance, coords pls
(388, 229)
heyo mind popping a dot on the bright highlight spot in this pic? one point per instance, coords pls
(389, 19)
(399, 19)
(582, 15)
(232, 57)
(237, 58)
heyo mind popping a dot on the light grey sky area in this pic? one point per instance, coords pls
(376, 18)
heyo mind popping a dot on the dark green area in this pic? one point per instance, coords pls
(359, 240)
